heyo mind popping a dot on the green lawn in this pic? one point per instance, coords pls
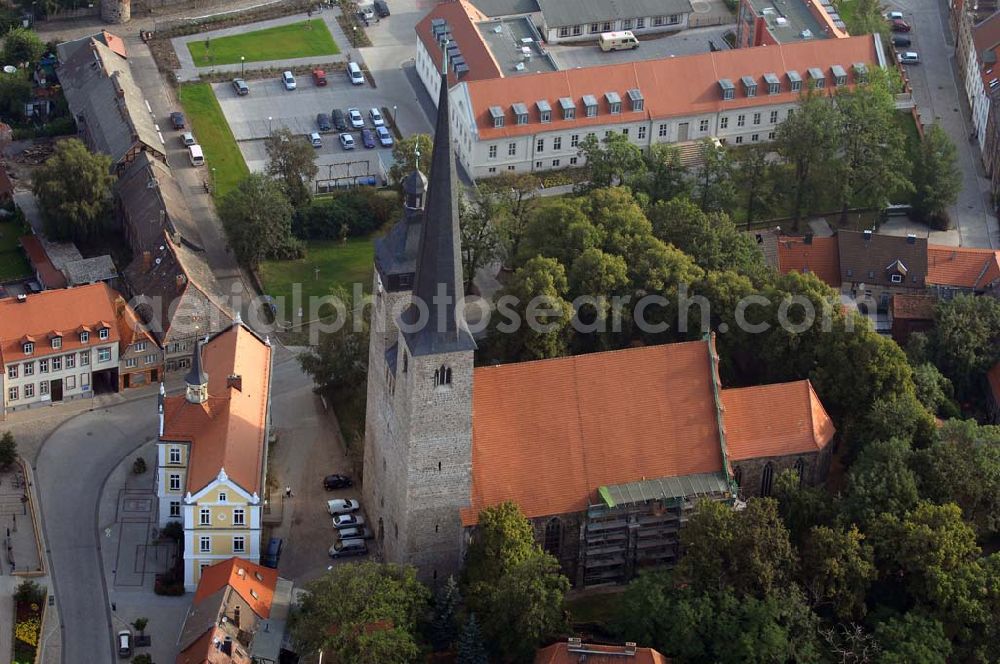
(13, 264)
(339, 265)
(222, 155)
(295, 40)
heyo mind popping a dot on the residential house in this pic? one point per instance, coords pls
(766, 23)
(952, 270)
(810, 255)
(110, 111)
(585, 20)
(875, 267)
(61, 345)
(238, 615)
(909, 314)
(61, 265)
(212, 450)
(575, 651)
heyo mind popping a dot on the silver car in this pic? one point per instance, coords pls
(348, 521)
(356, 532)
(342, 506)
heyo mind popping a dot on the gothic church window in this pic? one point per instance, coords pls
(800, 469)
(442, 376)
(766, 479)
(553, 537)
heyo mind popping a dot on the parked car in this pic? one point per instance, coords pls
(367, 138)
(384, 137)
(323, 122)
(376, 117)
(366, 13)
(288, 80)
(273, 553)
(899, 40)
(894, 16)
(358, 532)
(348, 521)
(195, 155)
(319, 77)
(339, 122)
(342, 506)
(331, 482)
(347, 141)
(241, 87)
(315, 140)
(124, 643)
(348, 547)
(381, 8)
(357, 120)
(187, 138)
(177, 120)
(909, 58)
(355, 74)
(900, 25)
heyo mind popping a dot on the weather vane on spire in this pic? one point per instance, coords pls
(416, 158)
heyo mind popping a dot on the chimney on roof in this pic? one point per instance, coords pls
(181, 281)
(574, 643)
(629, 647)
(147, 261)
(22, 297)
(868, 235)
(911, 238)
(235, 380)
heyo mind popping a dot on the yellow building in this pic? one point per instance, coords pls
(212, 452)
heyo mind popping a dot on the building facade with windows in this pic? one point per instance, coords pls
(586, 20)
(212, 450)
(535, 122)
(61, 345)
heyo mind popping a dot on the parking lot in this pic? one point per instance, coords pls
(269, 107)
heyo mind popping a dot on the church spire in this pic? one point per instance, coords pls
(196, 378)
(438, 283)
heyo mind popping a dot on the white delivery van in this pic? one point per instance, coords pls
(354, 73)
(196, 156)
(622, 40)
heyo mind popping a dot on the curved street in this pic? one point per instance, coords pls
(70, 471)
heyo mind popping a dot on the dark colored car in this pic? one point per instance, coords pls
(331, 482)
(339, 122)
(898, 40)
(272, 554)
(381, 8)
(367, 138)
(323, 122)
(900, 26)
(241, 87)
(177, 120)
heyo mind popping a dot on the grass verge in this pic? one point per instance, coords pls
(295, 40)
(222, 155)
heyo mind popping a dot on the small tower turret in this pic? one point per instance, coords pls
(197, 379)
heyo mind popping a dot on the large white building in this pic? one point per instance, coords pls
(504, 120)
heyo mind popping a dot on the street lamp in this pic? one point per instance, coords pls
(242, 61)
(354, 36)
(269, 125)
(394, 116)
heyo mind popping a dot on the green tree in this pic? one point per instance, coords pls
(881, 481)
(533, 318)
(362, 612)
(936, 177)
(865, 18)
(15, 92)
(837, 568)
(503, 538)
(872, 162)
(258, 220)
(667, 176)
(405, 157)
(22, 45)
(713, 179)
(471, 649)
(558, 229)
(966, 341)
(617, 214)
(8, 450)
(514, 197)
(912, 638)
(339, 362)
(752, 175)
(73, 189)
(600, 276)
(807, 141)
(801, 506)
(610, 161)
(748, 550)
(933, 390)
(292, 161)
(141, 624)
(480, 240)
(901, 415)
(444, 623)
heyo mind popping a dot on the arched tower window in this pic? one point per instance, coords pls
(442, 376)
(553, 537)
(800, 469)
(406, 361)
(766, 478)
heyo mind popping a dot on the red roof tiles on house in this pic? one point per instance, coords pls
(775, 420)
(913, 307)
(820, 257)
(462, 18)
(564, 653)
(254, 583)
(962, 267)
(47, 272)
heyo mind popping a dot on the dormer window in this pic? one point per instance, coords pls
(104, 333)
(496, 113)
(727, 87)
(614, 102)
(860, 72)
(590, 103)
(773, 83)
(57, 342)
(223, 496)
(896, 278)
(794, 81)
(84, 337)
(817, 78)
(635, 99)
(29, 348)
(520, 113)
(839, 75)
(749, 86)
(544, 111)
(568, 108)
(442, 376)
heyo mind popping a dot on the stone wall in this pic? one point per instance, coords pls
(116, 11)
(750, 472)
(566, 548)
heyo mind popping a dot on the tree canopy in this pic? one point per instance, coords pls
(73, 189)
(258, 220)
(292, 161)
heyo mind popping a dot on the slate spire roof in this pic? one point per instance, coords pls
(438, 283)
(197, 375)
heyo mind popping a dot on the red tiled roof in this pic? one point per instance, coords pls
(115, 43)
(461, 17)
(50, 276)
(821, 257)
(226, 432)
(962, 267)
(682, 86)
(560, 653)
(242, 576)
(775, 420)
(913, 307)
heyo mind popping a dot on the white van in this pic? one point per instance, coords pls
(355, 74)
(196, 156)
(622, 40)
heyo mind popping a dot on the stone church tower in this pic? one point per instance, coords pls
(116, 11)
(418, 433)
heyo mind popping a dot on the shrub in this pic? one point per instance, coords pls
(362, 211)
(169, 588)
(173, 530)
(27, 631)
(139, 466)
(8, 450)
(29, 592)
(144, 658)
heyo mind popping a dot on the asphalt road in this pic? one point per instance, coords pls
(70, 470)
